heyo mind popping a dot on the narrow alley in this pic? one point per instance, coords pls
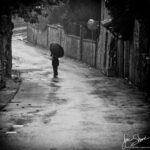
(80, 110)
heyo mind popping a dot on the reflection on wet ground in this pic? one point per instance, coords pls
(79, 110)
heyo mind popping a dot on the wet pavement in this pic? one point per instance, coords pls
(80, 110)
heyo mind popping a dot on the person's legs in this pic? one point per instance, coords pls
(55, 71)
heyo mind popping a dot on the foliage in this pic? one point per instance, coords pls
(123, 21)
(57, 13)
(28, 9)
(80, 11)
(125, 12)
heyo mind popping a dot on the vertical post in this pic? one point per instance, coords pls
(96, 49)
(81, 41)
(126, 59)
(121, 58)
(93, 61)
(60, 34)
(47, 36)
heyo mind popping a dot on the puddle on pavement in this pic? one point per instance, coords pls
(103, 93)
(12, 129)
(128, 119)
(18, 126)
(4, 110)
(47, 117)
(36, 109)
(116, 119)
(29, 70)
(11, 132)
(22, 120)
(28, 106)
(56, 80)
(34, 112)
(34, 106)
(2, 130)
(50, 114)
(53, 98)
(46, 73)
(16, 102)
(54, 85)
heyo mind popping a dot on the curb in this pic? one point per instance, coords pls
(12, 88)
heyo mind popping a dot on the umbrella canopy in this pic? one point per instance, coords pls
(56, 50)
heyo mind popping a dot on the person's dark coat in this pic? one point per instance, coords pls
(55, 61)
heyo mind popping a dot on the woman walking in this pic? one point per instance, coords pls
(56, 52)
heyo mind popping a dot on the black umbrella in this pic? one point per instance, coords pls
(56, 50)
